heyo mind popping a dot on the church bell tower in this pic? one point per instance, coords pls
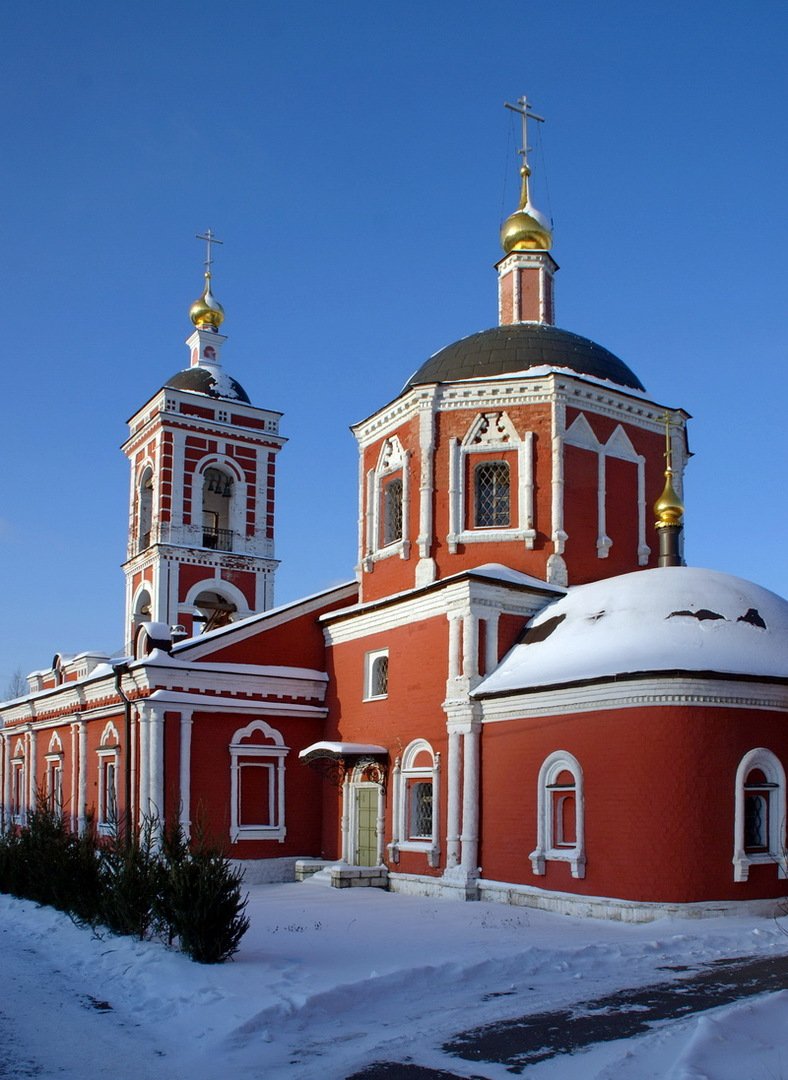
(201, 502)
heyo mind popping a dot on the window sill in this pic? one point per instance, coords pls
(397, 547)
(258, 832)
(490, 535)
(742, 862)
(573, 856)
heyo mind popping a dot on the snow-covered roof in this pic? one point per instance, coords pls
(668, 619)
(342, 749)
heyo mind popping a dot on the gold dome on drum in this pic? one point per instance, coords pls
(207, 312)
(526, 229)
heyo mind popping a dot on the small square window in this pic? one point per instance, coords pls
(376, 675)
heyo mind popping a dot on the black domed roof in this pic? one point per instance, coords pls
(505, 350)
(201, 380)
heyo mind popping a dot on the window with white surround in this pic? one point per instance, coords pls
(560, 814)
(257, 783)
(19, 784)
(416, 786)
(376, 674)
(491, 483)
(54, 775)
(386, 505)
(759, 819)
(108, 779)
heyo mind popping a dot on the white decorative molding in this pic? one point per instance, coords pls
(775, 849)
(271, 756)
(548, 846)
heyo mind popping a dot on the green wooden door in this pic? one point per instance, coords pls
(366, 826)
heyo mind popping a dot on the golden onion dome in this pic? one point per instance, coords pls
(207, 312)
(668, 507)
(526, 229)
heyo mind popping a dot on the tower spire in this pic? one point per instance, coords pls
(206, 312)
(526, 229)
(669, 507)
(525, 273)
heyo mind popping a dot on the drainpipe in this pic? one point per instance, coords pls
(120, 669)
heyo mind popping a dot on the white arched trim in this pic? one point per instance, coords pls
(392, 464)
(109, 735)
(550, 845)
(774, 796)
(236, 511)
(225, 589)
(257, 784)
(416, 799)
(144, 589)
(55, 745)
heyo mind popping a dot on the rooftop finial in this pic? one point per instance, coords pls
(207, 313)
(526, 229)
(669, 507)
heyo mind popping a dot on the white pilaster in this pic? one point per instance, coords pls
(491, 643)
(184, 815)
(32, 771)
(156, 752)
(470, 803)
(453, 802)
(82, 797)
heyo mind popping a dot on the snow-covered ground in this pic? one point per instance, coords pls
(328, 981)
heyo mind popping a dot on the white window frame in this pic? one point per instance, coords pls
(392, 462)
(404, 775)
(548, 847)
(19, 788)
(244, 754)
(772, 768)
(370, 660)
(54, 775)
(108, 756)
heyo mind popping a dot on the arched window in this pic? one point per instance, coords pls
(54, 776)
(376, 674)
(216, 495)
(759, 821)
(257, 781)
(491, 495)
(560, 814)
(214, 609)
(19, 784)
(415, 792)
(108, 779)
(392, 510)
(145, 509)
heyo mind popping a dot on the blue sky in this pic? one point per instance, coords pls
(356, 160)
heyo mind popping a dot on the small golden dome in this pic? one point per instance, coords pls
(207, 312)
(526, 229)
(668, 507)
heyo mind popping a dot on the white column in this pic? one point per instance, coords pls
(455, 511)
(156, 752)
(32, 771)
(470, 645)
(435, 853)
(144, 764)
(82, 798)
(643, 549)
(425, 570)
(603, 541)
(559, 536)
(454, 646)
(453, 803)
(6, 739)
(184, 816)
(396, 810)
(470, 803)
(491, 643)
(346, 792)
(526, 488)
(74, 780)
(380, 826)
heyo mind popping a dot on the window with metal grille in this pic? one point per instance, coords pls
(420, 817)
(757, 791)
(491, 494)
(392, 511)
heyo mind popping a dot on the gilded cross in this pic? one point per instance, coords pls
(210, 238)
(523, 107)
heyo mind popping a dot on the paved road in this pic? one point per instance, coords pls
(526, 1040)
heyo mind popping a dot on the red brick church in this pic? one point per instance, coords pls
(522, 694)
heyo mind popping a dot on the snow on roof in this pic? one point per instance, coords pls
(667, 619)
(513, 577)
(341, 749)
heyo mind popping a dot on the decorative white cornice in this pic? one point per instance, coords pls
(457, 596)
(648, 692)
